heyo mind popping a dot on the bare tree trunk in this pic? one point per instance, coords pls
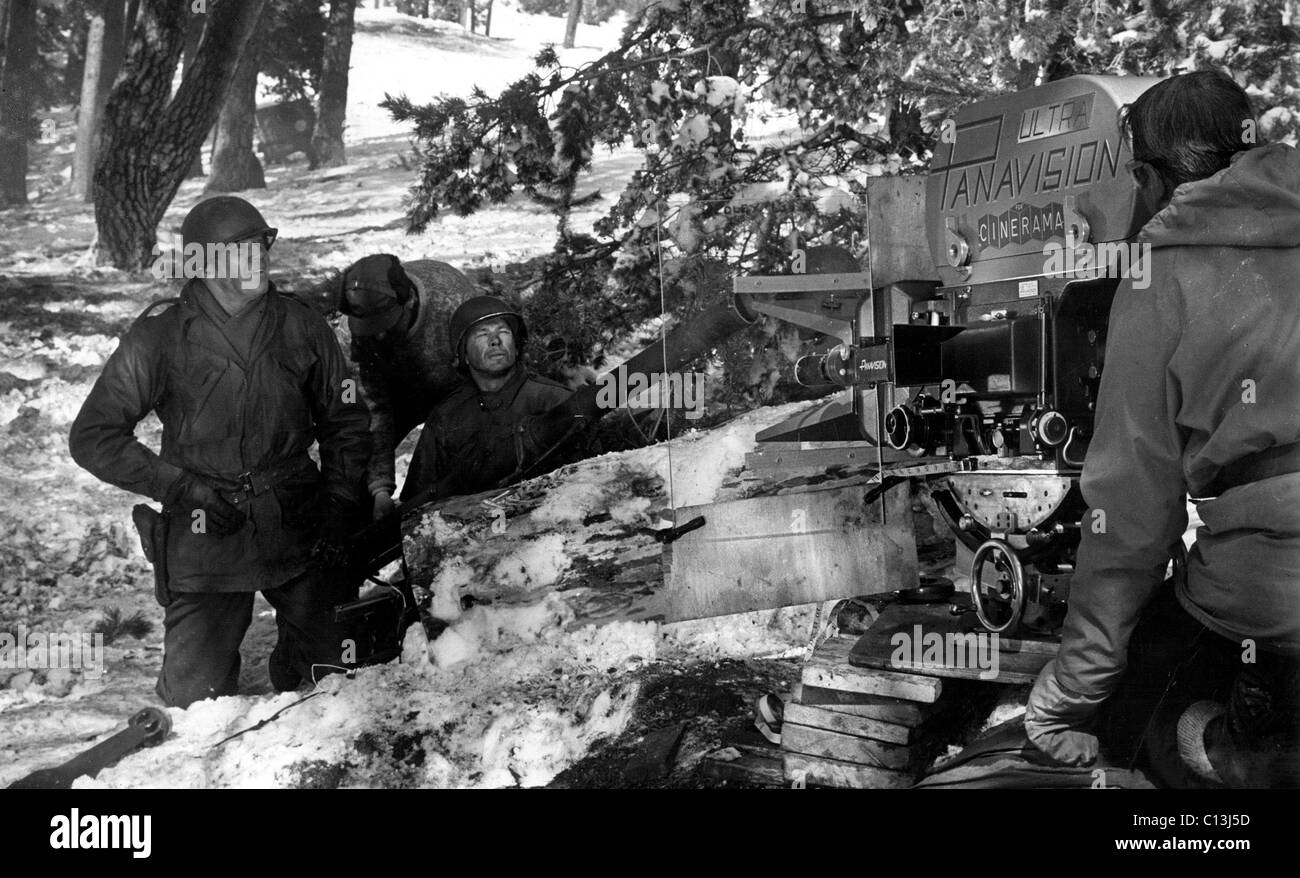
(17, 54)
(194, 24)
(331, 113)
(234, 164)
(571, 26)
(6, 6)
(149, 138)
(78, 37)
(487, 25)
(467, 15)
(132, 15)
(103, 60)
(88, 111)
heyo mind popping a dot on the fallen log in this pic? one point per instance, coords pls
(587, 538)
(598, 554)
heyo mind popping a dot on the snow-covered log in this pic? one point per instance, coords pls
(582, 539)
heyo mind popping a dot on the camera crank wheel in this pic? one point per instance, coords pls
(1000, 603)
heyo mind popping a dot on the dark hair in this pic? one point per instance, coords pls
(1189, 126)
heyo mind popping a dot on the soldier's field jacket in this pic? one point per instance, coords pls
(474, 440)
(224, 416)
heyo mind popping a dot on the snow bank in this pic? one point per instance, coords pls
(516, 717)
(510, 694)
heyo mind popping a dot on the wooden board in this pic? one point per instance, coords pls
(847, 723)
(890, 710)
(829, 668)
(835, 773)
(786, 457)
(847, 748)
(897, 228)
(749, 768)
(891, 644)
(789, 549)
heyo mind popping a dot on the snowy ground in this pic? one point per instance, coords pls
(528, 702)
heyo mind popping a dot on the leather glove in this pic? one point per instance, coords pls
(383, 506)
(338, 523)
(1056, 719)
(190, 492)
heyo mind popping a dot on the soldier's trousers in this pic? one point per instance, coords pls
(202, 633)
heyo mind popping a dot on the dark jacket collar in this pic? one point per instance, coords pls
(269, 331)
(494, 400)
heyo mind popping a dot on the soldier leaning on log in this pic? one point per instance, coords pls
(244, 380)
(494, 426)
(430, 349)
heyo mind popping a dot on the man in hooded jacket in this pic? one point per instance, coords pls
(1200, 397)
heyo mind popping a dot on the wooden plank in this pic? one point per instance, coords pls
(1011, 669)
(794, 456)
(910, 687)
(748, 768)
(829, 668)
(803, 283)
(846, 748)
(899, 616)
(847, 723)
(890, 710)
(897, 225)
(789, 549)
(835, 773)
(899, 637)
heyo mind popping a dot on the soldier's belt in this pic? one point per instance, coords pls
(248, 485)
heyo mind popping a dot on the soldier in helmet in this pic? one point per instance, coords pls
(479, 436)
(244, 380)
(397, 317)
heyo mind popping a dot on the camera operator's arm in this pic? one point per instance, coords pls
(1134, 486)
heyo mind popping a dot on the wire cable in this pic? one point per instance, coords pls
(663, 340)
